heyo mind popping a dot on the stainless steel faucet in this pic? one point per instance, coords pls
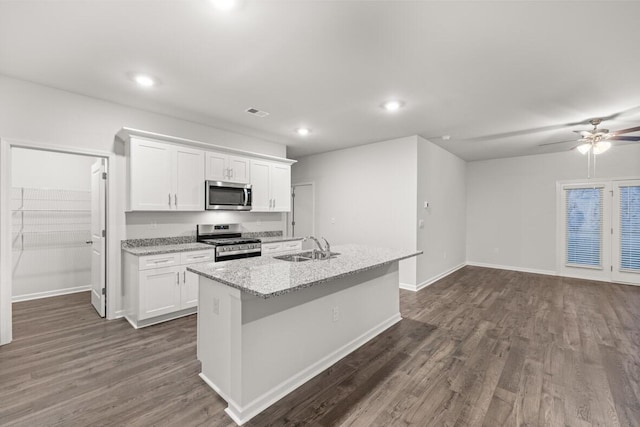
(326, 251)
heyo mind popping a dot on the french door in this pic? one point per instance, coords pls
(626, 232)
(600, 232)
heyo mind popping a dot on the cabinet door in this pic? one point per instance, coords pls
(281, 187)
(159, 291)
(216, 166)
(189, 182)
(150, 180)
(189, 289)
(240, 169)
(261, 186)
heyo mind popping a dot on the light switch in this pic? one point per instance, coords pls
(426, 205)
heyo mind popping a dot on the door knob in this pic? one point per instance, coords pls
(89, 242)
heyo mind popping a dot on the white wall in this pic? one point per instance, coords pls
(369, 191)
(37, 113)
(511, 204)
(442, 183)
(44, 266)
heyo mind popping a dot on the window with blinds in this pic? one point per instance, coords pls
(630, 228)
(584, 208)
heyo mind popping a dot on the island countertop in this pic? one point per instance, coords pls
(267, 277)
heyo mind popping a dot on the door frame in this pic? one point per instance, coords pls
(111, 253)
(560, 185)
(290, 215)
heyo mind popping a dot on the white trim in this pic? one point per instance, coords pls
(113, 246)
(6, 332)
(126, 133)
(420, 286)
(313, 207)
(512, 268)
(48, 294)
(160, 319)
(241, 415)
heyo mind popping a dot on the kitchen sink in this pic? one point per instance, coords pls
(307, 256)
(292, 258)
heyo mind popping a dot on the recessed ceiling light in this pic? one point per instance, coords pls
(446, 137)
(224, 4)
(392, 105)
(144, 80)
(303, 131)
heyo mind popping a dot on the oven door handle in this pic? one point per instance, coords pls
(239, 252)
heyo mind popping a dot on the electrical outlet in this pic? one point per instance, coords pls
(216, 306)
(333, 220)
(336, 314)
(421, 223)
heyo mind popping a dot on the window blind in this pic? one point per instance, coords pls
(630, 228)
(584, 207)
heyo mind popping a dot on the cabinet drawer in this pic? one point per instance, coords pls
(197, 256)
(292, 246)
(271, 248)
(156, 261)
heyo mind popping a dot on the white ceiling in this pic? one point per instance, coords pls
(499, 77)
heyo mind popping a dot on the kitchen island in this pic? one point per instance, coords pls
(267, 326)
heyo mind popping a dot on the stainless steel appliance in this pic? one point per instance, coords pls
(228, 196)
(228, 241)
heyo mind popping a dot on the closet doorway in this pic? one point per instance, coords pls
(58, 225)
(57, 222)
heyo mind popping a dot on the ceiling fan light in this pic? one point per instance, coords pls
(601, 147)
(584, 148)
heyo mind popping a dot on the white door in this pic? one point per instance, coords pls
(216, 166)
(281, 187)
(586, 231)
(189, 180)
(98, 260)
(302, 211)
(260, 186)
(239, 169)
(189, 290)
(626, 232)
(151, 175)
(159, 291)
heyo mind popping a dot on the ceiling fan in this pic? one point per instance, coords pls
(597, 141)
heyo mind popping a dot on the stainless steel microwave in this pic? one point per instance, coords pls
(227, 196)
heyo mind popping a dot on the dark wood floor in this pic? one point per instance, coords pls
(481, 347)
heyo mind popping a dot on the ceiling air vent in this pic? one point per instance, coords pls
(256, 112)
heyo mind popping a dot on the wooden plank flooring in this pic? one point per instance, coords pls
(481, 347)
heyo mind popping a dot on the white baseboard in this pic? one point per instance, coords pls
(241, 415)
(512, 268)
(47, 294)
(416, 288)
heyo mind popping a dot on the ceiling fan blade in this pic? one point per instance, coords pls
(559, 142)
(625, 138)
(634, 129)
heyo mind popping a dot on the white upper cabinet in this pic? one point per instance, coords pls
(164, 177)
(271, 186)
(227, 168)
(189, 179)
(168, 173)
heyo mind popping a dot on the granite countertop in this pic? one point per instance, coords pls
(268, 277)
(275, 239)
(165, 249)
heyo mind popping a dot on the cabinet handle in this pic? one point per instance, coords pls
(184, 277)
(230, 173)
(169, 199)
(199, 256)
(175, 199)
(177, 277)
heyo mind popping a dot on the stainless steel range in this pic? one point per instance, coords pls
(228, 241)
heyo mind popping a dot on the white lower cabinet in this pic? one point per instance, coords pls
(155, 293)
(277, 247)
